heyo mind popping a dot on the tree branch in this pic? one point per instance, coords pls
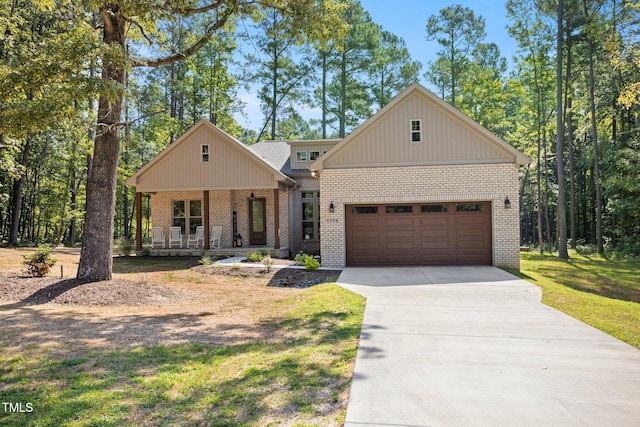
(179, 56)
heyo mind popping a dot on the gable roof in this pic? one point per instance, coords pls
(232, 165)
(377, 135)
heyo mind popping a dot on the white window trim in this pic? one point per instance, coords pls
(411, 131)
(203, 153)
(317, 152)
(298, 153)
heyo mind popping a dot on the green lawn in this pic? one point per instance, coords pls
(301, 380)
(600, 292)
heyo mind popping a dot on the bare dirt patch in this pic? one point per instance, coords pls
(150, 302)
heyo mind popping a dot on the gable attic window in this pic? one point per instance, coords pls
(416, 130)
(204, 151)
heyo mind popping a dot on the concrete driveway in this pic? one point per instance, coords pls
(474, 346)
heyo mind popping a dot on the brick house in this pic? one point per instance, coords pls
(417, 183)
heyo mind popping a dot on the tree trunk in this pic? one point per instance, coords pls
(562, 209)
(324, 95)
(96, 259)
(594, 132)
(343, 97)
(18, 191)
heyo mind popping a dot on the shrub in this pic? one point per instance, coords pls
(307, 261)
(146, 251)
(39, 263)
(301, 258)
(125, 246)
(255, 256)
(268, 262)
(311, 263)
(586, 249)
(205, 260)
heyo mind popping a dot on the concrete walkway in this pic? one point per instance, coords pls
(474, 346)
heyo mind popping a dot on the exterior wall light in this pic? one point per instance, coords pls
(507, 203)
(331, 207)
(252, 197)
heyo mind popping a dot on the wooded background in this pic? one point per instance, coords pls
(52, 63)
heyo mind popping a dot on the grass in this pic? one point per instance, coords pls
(600, 292)
(302, 379)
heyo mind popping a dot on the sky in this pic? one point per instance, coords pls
(408, 19)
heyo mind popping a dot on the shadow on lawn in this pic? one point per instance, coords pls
(199, 381)
(150, 264)
(606, 284)
(592, 275)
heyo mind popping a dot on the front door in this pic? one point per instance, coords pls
(257, 222)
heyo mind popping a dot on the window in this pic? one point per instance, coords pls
(314, 155)
(204, 151)
(183, 216)
(311, 215)
(416, 130)
(433, 208)
(301, 156)
(399, 209)
(364, 209)
(469, 207)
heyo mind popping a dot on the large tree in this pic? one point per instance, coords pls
(122, 20)
(457, 30)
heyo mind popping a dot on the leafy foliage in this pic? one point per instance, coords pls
(40, 262)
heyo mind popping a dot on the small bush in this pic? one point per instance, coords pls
(255, 256)
(301, 258)
(146, 251)
(205, 260)
(39, 263)
(125, 246)
(311, 263)
(268, 262)
(307, 261)
(586, 249)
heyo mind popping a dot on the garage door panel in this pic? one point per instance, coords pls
(433, 244)
(367, 246)
(470, 233)
(397, 234)
(433, 233)
(365, 221)
(368, 233)
(400, 245)
(457, 233)
(431, 220)
(398, 220)
(470, 244)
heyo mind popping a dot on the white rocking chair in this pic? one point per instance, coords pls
(216, 236)
(157, 237)
(197, 238)
(175, 236)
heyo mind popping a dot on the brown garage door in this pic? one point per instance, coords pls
(417, 234)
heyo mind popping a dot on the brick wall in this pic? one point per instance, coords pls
(446, 183)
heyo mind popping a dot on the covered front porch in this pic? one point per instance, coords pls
(250, 219)
(282, 252)
(209, 179)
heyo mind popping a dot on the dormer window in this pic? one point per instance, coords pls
(204, 151)
(301, 156)
(416, 130)
(314, 155)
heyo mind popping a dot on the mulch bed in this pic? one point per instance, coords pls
(42, 290)
(118, 292)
